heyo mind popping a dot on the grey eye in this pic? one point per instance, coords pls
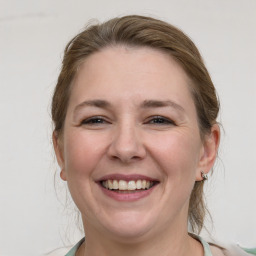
(160, 120)
(94, 120)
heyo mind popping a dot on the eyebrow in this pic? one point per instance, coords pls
(93, 103)
(145, 104)
(160, 104)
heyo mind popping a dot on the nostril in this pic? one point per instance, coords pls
(126, 144)
(126, 155)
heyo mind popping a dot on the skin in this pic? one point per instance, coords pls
(161, 142)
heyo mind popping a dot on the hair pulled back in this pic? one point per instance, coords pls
(140, 31)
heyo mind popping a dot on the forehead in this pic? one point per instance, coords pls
(131, 73)
(134, 59)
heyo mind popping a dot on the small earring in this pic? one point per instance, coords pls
(204, 176)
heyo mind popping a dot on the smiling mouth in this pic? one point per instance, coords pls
(131, 186)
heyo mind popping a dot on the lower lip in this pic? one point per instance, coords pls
(127, 196)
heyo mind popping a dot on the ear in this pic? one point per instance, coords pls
(58, 148)
(209, 151)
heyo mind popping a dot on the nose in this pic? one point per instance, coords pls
(126, 145)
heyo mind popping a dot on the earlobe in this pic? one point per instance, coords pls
(59, 154)
(63, 175)
(209, 152)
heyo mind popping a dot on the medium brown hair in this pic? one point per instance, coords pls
(140, 31)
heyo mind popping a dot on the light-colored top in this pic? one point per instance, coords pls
(74, 249)
(231, 249)
(207, 251)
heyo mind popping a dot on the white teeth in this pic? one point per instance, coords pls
(132, 185)
(143, 184)
(127, 185)
(110, 184)
(123, 185)
(138, 184)
(115, 184)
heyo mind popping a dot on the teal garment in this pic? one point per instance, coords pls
(251, 250)
(74, 249)
(207, 251)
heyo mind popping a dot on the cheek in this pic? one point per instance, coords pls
(177, 153)
(82, 153)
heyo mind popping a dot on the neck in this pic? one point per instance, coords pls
(176, 242)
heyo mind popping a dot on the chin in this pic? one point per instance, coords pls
(129, 227)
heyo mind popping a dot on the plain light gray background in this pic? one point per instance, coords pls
(32, 38)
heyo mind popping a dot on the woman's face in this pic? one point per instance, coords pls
(131, 123)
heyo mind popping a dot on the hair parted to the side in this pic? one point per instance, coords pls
(140, 31)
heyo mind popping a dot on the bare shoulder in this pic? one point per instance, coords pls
(227, 250)
(216, 251)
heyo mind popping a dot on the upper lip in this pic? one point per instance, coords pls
(126, 177)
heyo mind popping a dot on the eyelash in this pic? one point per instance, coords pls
(154, 120)
(94, 121)
(159, 120)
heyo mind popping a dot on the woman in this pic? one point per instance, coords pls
(135, 135)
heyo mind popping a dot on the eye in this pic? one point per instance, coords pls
(160, 120)
(95, 120)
